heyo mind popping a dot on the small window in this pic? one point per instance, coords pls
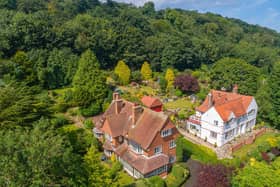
(158, 150)
(172, 159)
(252, 112)
(213, 134)
(216, 122)
(172, 144)
(166, 132)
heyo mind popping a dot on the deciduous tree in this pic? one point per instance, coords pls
(146, 71)
(123, 72)
(186, 83)
(169, 77)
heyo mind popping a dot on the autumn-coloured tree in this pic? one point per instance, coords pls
(213, 175)
(146, 71)
(186, 83)
(123, 72)
(169, 77)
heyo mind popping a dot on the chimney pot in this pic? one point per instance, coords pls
(210, 100)
(235, 89)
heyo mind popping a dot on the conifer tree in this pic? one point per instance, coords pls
(169, 77)
(146, 71)
(89, 81)
(275, 94)
(123, 72)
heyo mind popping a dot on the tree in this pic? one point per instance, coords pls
(40, 156)
(98, 175)
(258, 174)
(213, 175)
(169, 77)
(89, 81)
(123, 72)
(146, 71)
(21, 105)
(186, 83)
(229, 71)
(274, 83)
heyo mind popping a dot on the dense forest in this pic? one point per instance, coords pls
(52, 44)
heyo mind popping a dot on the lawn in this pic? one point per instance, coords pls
(242, 152)
(184, 104)
(194, 151)
(142, 90)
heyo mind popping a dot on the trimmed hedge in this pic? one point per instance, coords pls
(177, 177)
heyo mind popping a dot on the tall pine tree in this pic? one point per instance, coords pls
(275, 94)
(89, 81)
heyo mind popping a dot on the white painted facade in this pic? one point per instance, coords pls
(210, 126)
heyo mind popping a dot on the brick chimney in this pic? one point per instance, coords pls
(118, 102)
(210, 100)
(136, 113)
(235, 89)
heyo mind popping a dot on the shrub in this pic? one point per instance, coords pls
(186, 83)
(178, 176)
(59, 121)
(136, 76)
(213, 175)
(178, 93)
(92, 110)
(88, 124)
(264, 146)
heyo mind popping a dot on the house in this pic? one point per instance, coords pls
(223, 116)
(152, 103)
(142, 140)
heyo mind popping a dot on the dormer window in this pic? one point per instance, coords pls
(252, 112)
(135, 147)
(167, 132)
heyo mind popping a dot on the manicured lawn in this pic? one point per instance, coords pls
(196, 152)
(184, 104)
(142, 90)
(242, 152)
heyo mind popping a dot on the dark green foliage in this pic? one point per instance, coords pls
(274, 82)
(136, 76)
(39, 156)
(21, 105)
(80, 139)
(88, 124)
(228, 71)
(89, 81)
(91, 110)
(177, 176)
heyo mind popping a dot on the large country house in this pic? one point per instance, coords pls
(142, 139)
(223, 116)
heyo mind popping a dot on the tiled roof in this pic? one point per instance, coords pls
(142, 132)
(150, 102)
(141, 163)
(146, 128)
(226, 103)
(107, 145)
(118, 124)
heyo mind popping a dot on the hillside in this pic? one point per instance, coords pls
(179, 38)
(61, 61)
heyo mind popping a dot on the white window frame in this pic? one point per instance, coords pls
(158, 150)
(172, 159)
(167, 132)
(213, 133)
(108, 137)
(172, 144)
